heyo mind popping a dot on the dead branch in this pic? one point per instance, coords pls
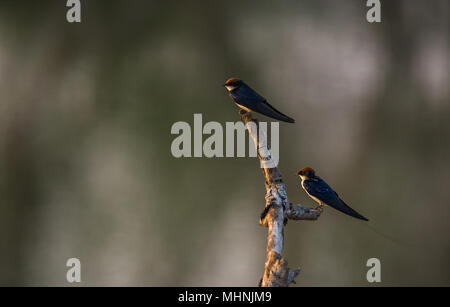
(276, 212)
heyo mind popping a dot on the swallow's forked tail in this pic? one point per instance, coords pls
(387, 236)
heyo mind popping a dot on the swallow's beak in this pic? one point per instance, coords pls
(224, 85)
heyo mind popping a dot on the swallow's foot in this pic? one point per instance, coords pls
(242, 112)
(319, 208)
(264, 213)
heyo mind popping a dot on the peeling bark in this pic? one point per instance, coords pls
(276, 212)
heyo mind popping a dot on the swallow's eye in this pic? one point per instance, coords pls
(234, 83)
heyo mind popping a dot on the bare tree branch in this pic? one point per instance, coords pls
(276, 212)
(299, 212)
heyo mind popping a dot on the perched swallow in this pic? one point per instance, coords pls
(322, 193)
(246, 98)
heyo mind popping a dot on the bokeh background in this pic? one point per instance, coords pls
(86, 169)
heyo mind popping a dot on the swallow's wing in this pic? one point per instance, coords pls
(321, 190)
(266, 109)
(248, 98)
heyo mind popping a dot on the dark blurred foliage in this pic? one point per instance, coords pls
(86, 169)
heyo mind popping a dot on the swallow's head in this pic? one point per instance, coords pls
(233, 83)
(306, 173)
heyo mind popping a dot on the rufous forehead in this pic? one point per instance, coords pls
(306, 169)
(232, 80)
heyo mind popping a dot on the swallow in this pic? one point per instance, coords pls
(249, 100)
(323, 194)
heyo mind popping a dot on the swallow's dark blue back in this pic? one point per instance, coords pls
(321, 190)
(245, 95)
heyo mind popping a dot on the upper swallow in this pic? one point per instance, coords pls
(246, 98)
(322, 193)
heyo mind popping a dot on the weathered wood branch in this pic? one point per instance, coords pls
(299, 212)
(276, 212)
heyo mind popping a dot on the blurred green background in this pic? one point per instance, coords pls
(86, 169)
